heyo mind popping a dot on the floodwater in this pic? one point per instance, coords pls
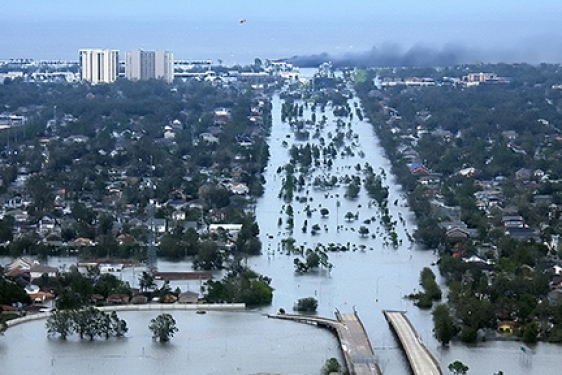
(366, 280)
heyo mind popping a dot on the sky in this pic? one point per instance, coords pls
(478, 30)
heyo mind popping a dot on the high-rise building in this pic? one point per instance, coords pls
(139, 65)
(98, 65)
(144, 65)
(164, 65)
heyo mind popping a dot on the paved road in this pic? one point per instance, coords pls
(356, 346)
(421, 360)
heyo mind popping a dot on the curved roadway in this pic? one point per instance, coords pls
(421, 360)
(356, 347)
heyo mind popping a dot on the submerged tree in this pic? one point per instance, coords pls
(61, 323)
(331, 366)
(308, 304)
(444, 326)
(458, 368)
(89, 322)
(163, 327)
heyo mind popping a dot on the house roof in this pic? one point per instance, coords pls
(189, 294)
(19, 263)
(40, 268)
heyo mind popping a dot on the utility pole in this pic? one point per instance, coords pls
(151, 251)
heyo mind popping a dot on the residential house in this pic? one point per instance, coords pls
(14, 202)
(139, 299)
(542, 199)
(522, 234)
(160, 226)
(510, 135)
(176, 204)
(238, 188)
(38, 270)
(20, 216)
(539, 174)
(178, 215)
(188, 297)
(222, 116)
(209, 138)
(229, 228)
(523, 174)
(456, 234)
(18, 264)
(467, 172)
(48, 224)
(510, 210)
(515, 221)
(217, 215)
(431, 179)
(445, 135)
(418, 169)
(79, 242)
(117, 299)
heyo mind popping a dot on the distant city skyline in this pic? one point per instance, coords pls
(516, 30)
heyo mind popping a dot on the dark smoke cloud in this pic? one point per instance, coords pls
(390, 55)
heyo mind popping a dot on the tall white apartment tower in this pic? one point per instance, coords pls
(139, 65)
(144, 65)
(99, 65)
(164, 65)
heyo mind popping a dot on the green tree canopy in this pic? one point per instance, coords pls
(163, 327)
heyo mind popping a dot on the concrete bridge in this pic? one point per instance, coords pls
(421, 360)
(356, 348)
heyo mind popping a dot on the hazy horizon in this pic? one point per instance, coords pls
(509, 31)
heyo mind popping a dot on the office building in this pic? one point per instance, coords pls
(144, 65)
(99, 66)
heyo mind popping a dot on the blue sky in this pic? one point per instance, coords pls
(516, 29)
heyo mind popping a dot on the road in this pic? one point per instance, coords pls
(421, 360)
(355, 345)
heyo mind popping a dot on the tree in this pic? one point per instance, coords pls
(331, 366)
(163, 327)
(444, 327)
(324, 212)
(530, 332)
(60, 322)
(429, 233)
(308, 304)
(458, 368)
(315, 229)
(11, 292)
(3, 325)
(363, 231)
(352, 191)
(90, 322)
(209, 257)
(118, 326)
(146, 282)
(38, 187)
